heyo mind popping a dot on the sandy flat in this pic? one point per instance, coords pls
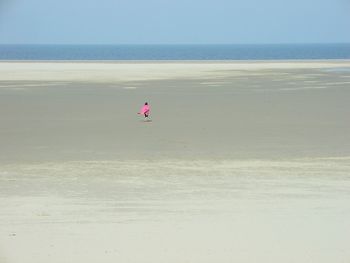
(129, 71)
(242, 162)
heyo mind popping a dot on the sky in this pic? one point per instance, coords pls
(174, 21)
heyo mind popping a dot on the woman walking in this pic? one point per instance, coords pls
(145, 110)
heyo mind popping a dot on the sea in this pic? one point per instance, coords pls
(175, 52)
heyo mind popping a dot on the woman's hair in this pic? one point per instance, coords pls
(146, 103)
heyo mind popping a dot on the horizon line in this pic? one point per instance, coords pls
(171, 44)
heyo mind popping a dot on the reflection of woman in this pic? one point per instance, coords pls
(145, 110)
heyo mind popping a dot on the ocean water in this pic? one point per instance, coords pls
(175, 52)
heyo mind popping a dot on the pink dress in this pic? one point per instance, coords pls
(145, 109)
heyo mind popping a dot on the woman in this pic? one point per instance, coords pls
(145, 110)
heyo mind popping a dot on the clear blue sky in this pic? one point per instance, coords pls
(174, 21)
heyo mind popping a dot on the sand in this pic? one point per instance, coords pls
(242, 162)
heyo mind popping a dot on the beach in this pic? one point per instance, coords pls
(242, 162)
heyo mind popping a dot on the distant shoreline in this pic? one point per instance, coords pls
(125, 71)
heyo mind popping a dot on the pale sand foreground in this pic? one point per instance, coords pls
(243, 162)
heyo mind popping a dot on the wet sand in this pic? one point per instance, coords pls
(215, 111)
(243, 161)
